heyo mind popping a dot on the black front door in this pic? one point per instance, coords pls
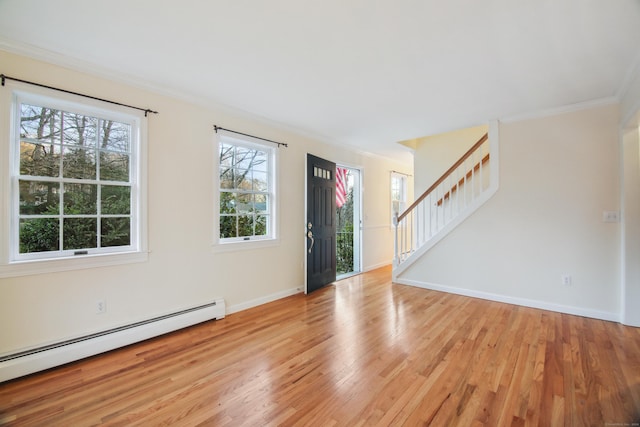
(321, 223)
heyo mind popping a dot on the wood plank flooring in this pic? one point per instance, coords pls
(362, 352)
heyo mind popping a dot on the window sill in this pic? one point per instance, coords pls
(27, 268)
(245, 245)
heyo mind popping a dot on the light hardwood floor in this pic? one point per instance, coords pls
(362, 352)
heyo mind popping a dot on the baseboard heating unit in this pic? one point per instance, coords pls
(38, 359)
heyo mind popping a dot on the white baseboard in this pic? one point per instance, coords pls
(376, 266)
(264, 300)
(543, 305)
(34, 360)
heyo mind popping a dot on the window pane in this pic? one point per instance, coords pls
(228, 226)
(79, 163)
(39, 235)
(243, 158)
(115, 200)
(261, 225)
(227, 202)
(260, 161)
(79, 233)
(241, 178)
(244, 203)
(115, 136)
(80, 199)
(39, 159)
(261, 203)
(245, 225)
(40, 124)
(395, 206)
(260, 182)
(79, 130)
(114, 167)
(226, 178)
(39, 198)
(115, 232)
(226, 155)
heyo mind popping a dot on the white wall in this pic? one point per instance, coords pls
(557, 175)
(435, 154)
(183, 269)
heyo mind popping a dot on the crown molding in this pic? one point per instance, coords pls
(117, 76)
(570, 108)
(74, 64)
(630, 76)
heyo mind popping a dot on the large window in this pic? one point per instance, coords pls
(246, 191)
(74, 180)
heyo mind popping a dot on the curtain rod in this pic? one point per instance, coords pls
(216, 128)
(146, 110)
(401, 173)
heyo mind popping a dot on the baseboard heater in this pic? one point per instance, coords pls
(41, 358)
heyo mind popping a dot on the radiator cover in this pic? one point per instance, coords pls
(41, 358)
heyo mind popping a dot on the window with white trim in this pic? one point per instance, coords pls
(75, 181)
(398, 194)
(246, 190)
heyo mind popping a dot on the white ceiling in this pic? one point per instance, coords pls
(366, 73)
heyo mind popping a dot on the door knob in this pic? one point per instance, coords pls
(310, 235)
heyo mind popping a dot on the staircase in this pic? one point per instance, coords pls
(461, 190)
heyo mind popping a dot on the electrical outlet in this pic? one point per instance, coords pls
(610, 216)
(101, 306)
(566, 280)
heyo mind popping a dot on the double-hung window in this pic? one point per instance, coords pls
(74, 180)
(246, 191)
(398, 194)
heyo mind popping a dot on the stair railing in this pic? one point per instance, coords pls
(443, 201)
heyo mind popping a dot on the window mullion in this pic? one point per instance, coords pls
(49, 145)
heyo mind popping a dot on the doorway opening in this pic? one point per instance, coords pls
(349, 222)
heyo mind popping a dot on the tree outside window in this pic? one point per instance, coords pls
(245, 191)
(74, 182)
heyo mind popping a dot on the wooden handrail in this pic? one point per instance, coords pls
(439, 181)
(469, 174)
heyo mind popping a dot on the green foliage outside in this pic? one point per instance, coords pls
(243, 192)
(59, 144)
(344, 241)
(235, 224)
(39, 235)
